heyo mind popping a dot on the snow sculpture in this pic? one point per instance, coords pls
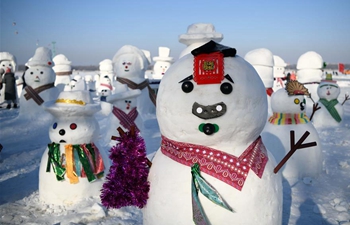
(162, 63)
(7, 60)
(288, 108)
(130, 64)
(210, 128)
(278, 72)
(73, 166)
(263, 62)
(63, 70)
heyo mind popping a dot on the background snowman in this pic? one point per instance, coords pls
(162, 63)
(123, 114)
(63, 71)
(211, 109)
(331, 111)
(288, 106)
(278, 72)
(40, 81)
(130, 64)
(263, 62)
(73, 166)
(309, 73)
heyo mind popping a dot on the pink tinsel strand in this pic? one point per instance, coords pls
(127, 183)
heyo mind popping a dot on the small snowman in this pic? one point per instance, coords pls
(330, 113)
(73, 167)
(7, 60)
(40, 85)
(288, 106)
(211, 109)
(309, 73)
(63, 70)
(263, 62)
(124, 114)
(162, 63)
(198, 34)
(278, 72)
(130, 64)
(105, 89)
(90, 84)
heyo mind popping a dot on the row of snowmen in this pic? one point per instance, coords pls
(216, 133)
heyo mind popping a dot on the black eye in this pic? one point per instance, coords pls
(54, 125)
(226, 88)
(187, 86)
(31, 73)
(41, 72)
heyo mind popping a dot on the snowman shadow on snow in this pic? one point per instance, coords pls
(73, 166)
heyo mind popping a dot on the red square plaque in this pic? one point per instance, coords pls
(208, 68)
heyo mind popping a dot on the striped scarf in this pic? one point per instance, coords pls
(288, 118)
(331, 109)
(126, 120)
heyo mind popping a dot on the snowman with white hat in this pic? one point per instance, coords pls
(263, 62)
(63, 70)
(7, 62)
(278, 72)
(162, 63)
(40, 84)
(330, 112)
(212, 167)
(73, 166)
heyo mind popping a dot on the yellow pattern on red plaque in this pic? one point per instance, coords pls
(208, 68)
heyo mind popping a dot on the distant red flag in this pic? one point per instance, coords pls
(341, 67)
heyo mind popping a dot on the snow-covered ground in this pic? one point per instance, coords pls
(324, 200)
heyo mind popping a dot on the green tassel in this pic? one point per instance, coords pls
(54, 160)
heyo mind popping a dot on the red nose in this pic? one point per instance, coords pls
(126, 67)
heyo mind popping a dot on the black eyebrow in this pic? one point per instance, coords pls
(228, 77)
(190, 77)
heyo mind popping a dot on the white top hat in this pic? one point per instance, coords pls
(42, 57)
(71, 103)
(200, 32)
(164, 53)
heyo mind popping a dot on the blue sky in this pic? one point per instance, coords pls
(88, 32)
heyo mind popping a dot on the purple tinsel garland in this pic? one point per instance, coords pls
(127, 183)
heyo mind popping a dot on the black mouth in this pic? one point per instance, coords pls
(209, 111)
(62, 141)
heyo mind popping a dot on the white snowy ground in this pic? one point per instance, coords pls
(324, 200)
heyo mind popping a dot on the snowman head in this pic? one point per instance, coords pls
(74, 122)
(130, 62)
(37, 76)
(209, 98)
(7, 60)
(291, 99)
(126, 100)
(105, 87)
(328, 88)
(160, 67)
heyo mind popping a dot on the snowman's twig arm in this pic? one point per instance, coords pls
(294, 147)
(315, 107)
(346, 98)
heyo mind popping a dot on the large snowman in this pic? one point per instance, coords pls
(197, 35)
(309, 73)
(40, 80)
(331, 111)
(278, 72)
(63, 71)
(130, 64)
(263, 62)
(73, 166)
(211, 109)
(288, 106)
(7, 60)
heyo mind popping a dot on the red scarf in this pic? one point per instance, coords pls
(221, 165)
(126, 120)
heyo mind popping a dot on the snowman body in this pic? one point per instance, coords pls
(289, 115)
(328, 92)
(78, 128)
(124, 114)
(180, 118)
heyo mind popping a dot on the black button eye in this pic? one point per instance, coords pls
(41, 72)
(187, 86)
(226, 88)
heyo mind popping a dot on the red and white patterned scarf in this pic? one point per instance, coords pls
(221, 165)
(126, 120)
